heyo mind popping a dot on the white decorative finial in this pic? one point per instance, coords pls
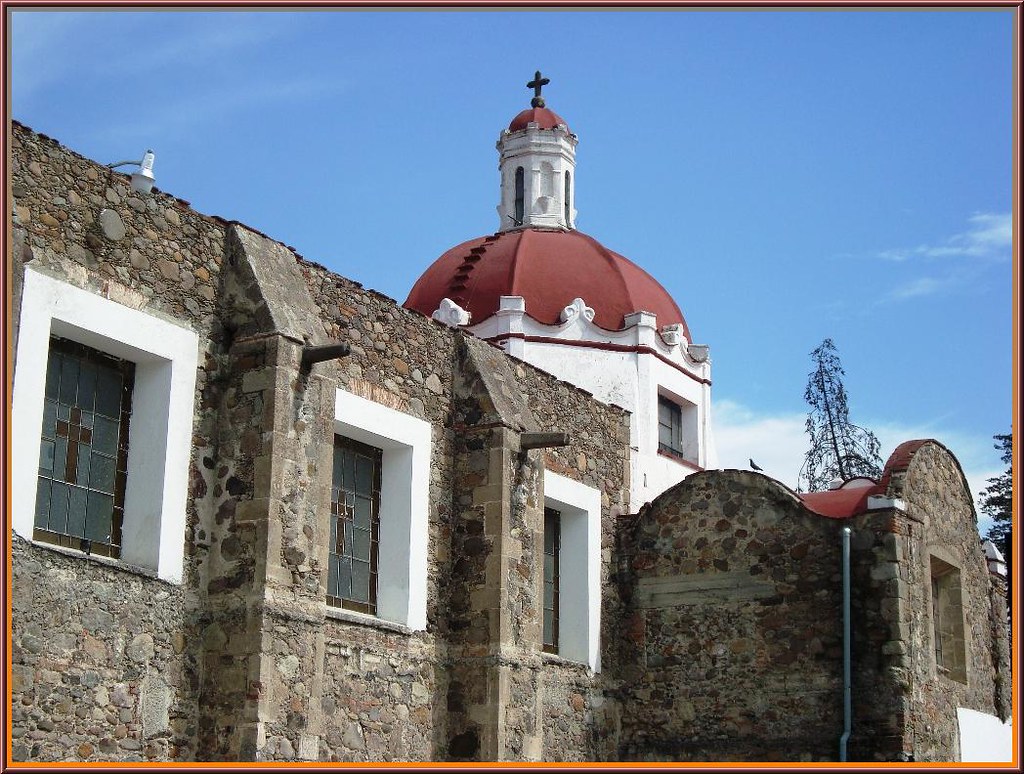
(698, 352)
(575, 309)
(451, 314)
(673, 334)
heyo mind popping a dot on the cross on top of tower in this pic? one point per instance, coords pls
(537, 84)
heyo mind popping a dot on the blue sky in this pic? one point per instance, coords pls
(786, 175)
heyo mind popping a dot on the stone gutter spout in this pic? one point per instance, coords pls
(542, 440)
(316, 354)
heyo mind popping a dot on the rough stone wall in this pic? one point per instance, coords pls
(104, 664)
(495, 625)
(598, 456)
(231, 545)
(735, 625)
(413, 364)
(880, 628)
(383, 691)
(256, 668)
(383, 695)
(937, 497)
(579, 716)
(79, 221)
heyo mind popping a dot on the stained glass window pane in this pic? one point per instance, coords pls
(58, 508)
(53, 376)
(552, 547)
(101, 512)
(108, 392)
(87, 386)
(47, 449)
(60, 458)
(68, 380)
(42, 503)
(77, 499)
(49, 418)
(349, 472)
(360, 581)
(104, 436)
(347, 537)
(364, 474)
(332, 575)
(82, 474)
(361, 544)
(363, 507)
(78, 490)
(345, 578)
(102, 473)
(355, 502)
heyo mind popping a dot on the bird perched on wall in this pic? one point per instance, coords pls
(755, 466)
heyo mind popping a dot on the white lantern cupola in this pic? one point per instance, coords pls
(537, 162)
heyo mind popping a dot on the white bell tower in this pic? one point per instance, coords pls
(537, 162)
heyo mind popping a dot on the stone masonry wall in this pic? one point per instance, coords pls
(409, 362)
(104, 664)
(735, 624)
(242, 661)
(118, 629)
(581, 713)
(881, 616)
(936, 494)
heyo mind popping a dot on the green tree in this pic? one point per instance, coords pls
(837, 446)
(996, 503)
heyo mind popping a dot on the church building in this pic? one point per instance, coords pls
(262, 513)
(559, 299)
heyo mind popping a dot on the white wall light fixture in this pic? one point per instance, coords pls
(142, 179)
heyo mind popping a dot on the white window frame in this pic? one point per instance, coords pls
(579, 565)
(160, 433)
(404, 503)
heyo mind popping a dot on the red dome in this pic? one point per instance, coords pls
(548, 268)
(545, 118)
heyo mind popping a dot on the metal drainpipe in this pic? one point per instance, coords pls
(847, 682)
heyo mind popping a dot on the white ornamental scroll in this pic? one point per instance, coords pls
(451, 314)
(575, 309)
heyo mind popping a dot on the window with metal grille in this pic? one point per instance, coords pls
(83, 452)
(670, 427)
(552, 548)
(520, 203)
(355, 526)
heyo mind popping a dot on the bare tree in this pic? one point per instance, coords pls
(838, 447)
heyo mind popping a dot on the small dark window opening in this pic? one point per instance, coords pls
(83, 451)
(670, 427)
(355, 526)
(520, 205)
(552, 549)
(568, 203)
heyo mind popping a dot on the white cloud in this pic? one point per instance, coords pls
(777, 443)
(51, 49)
(39, 42)
(989, 235)
(922, 286)
(204, 108)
